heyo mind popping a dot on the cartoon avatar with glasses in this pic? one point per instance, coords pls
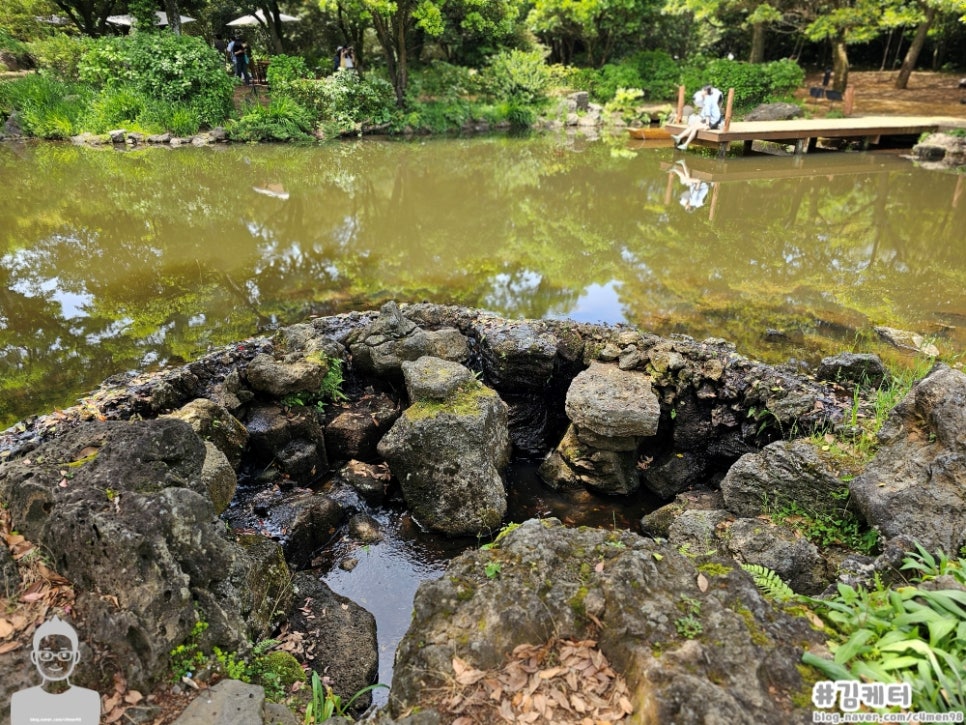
(55, 700)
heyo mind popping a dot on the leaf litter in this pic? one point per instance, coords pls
(562, 681)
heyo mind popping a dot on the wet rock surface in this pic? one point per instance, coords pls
(628, 591)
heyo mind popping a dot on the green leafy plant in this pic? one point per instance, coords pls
(909, 634)
(771, 585)
(689, 626)
(282, 120)
(324, 703)
(164, 66)
(283, 69)
(518, 75)
(60, 55)
(46, 107)
(344, 103)
(188, 657)
(492, 569)
(626, 102)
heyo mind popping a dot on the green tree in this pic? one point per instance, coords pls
(929, 10)
(594, 27)
(396, 22)
(756, 17)
(90, 16)
(475, 29)
(842, 23)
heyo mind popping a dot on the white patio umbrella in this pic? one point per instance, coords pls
(258, 18)
(130, 19)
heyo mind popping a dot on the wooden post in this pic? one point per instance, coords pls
(727, 117)
(848, 100)
(679, 114)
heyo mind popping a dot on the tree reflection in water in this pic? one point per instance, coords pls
(116, 261)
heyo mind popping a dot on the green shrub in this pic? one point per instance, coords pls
(441, 80)
(284, 69)
(343, 102)
(282, 120)
(613, 76)
(114, 109)
(60, 55)
(625, 102)
(181, 120)
(753, 83)
(660, 74)
(519, 76)
(439, 116)
(176, 68)
(47, 107)
(520, 117)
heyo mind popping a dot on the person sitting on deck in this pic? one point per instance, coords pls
(710, 117)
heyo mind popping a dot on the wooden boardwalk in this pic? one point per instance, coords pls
(805, 133)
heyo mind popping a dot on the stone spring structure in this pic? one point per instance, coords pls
(446, 397)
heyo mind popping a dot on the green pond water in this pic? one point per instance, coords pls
(114, 261)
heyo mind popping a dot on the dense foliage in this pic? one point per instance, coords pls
(456, 62)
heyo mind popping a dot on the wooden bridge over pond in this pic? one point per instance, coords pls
(805, 134)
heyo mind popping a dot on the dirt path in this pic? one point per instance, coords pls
(927, 94)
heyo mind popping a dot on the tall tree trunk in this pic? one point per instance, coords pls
(840, 64)
(757, 54)
(384, 28)
(912, 55)
(173, 12)
(885, 53)
(401, 69)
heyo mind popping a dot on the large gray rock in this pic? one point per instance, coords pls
(292, 441)
(774, 112)
(125, 515)
(219, 477)
(355, 431)
(431, 378)
(734, 661)
(795, 559)
(448, 455)
(863, 369)
(294, 373)
(612, 402)
(782, 474)
(518, 357)
(214, 423)
(607, 471)
(339, 638)
(916, 484)
(391, 339)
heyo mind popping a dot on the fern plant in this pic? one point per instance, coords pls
(770, 584)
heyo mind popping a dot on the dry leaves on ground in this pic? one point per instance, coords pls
(562, 681)
(43, 592)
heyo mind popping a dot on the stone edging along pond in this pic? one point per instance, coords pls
(428, 404)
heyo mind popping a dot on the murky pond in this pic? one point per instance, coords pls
(113, 261)
(116, 261)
